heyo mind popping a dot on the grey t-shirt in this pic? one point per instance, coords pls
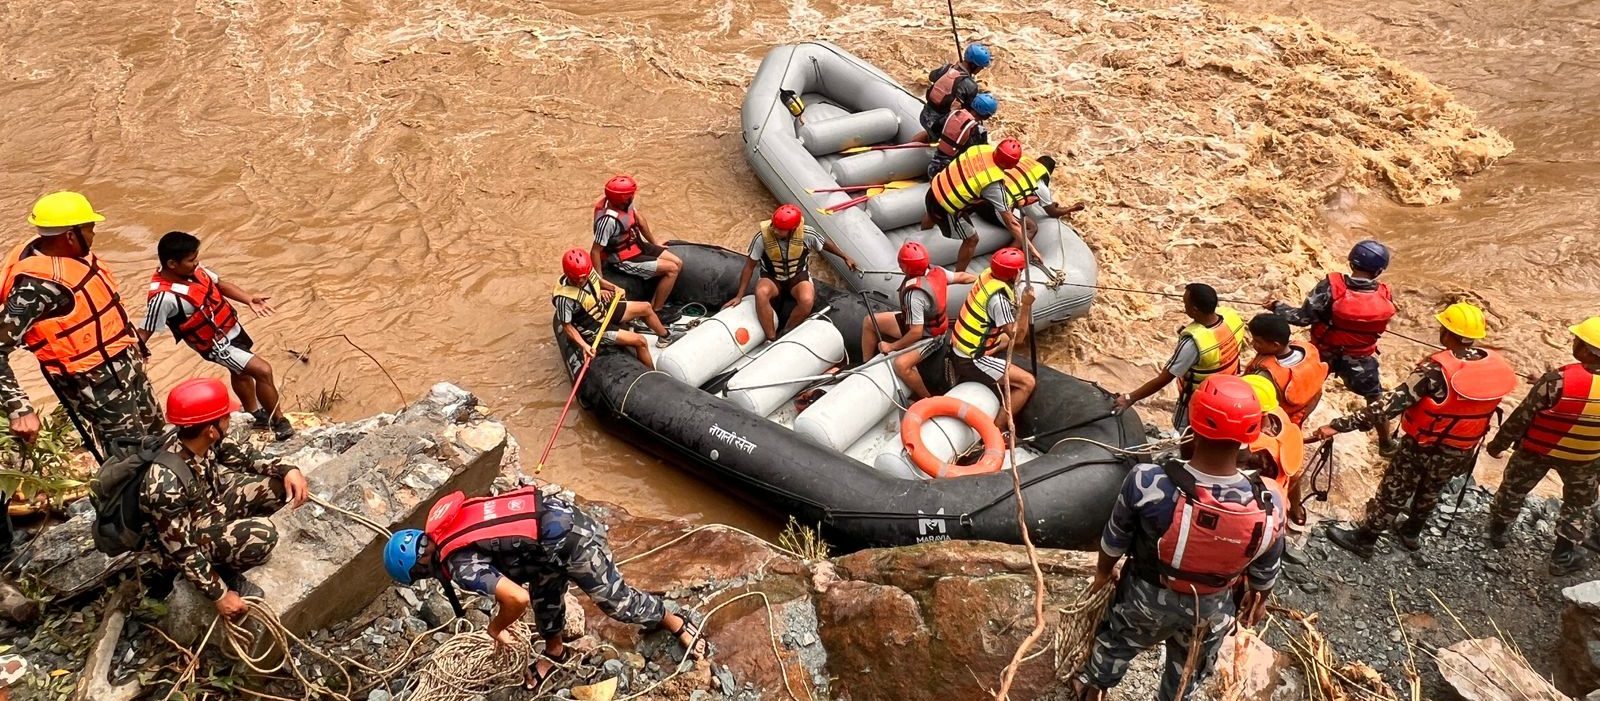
(1184, 357)
(168, 307)
(607, 230)
(995, 195)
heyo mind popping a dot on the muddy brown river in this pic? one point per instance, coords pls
(406, 173)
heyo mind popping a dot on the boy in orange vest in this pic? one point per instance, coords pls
(192, 301)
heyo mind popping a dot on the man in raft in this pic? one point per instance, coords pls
(1445, 405)
(999, 176)
(1209, 345)
(963, 129)
(523, 548)
(951, 86)
(992, 321)
(783, 248)
(1557, 427)
(623, 235)
(923, 302)
(61, 302)
(192, 300)
(1197, 534)
(581, 299)
(1347, 315)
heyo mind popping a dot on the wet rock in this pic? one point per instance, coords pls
(1249, 667)
(1579, 648)
(64, 562)
(1485, 670)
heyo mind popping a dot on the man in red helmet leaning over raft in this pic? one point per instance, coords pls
(582, 297)
(1000, 176)
(783, 248)
(623, 235)
(993, 320)
(923, 314)
(1195, 533)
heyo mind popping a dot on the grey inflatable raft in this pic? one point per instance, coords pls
(849, 103)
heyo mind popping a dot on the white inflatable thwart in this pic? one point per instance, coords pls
(713, 346)
(809, 349)
(851, 408)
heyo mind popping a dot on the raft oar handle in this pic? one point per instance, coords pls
(594, 348)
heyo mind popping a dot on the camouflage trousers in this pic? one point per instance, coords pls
(236, 534)
(583, 557)
(1580, 488)
(1145, 615)
(1411, 485)
(114, 402)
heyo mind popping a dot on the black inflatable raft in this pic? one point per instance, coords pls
(1069, 485)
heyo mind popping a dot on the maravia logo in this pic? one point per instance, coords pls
(931, 529)
(734, 440)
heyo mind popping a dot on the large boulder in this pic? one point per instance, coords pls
(1579, 648)
(1486, 670)
(326, 566)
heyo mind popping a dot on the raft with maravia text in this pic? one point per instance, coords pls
(722, 404)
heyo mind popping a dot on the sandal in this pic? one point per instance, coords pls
(664, 341)
(534, 681)
(697, 642)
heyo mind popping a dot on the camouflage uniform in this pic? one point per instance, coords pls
(219, 522)
(572, 548)
(114, 401)
(1145, 614)
(1416, 473)
(1580, 481)
(1360, 375)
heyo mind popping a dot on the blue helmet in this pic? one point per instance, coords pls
(1369, 256)
(400, 555)
(984, 105)
(977, 55)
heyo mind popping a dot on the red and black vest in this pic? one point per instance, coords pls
(456, 522)
(937, 284)
(1569, 429)
(956, 136)
(213, 319)
(626, 245)
(1357, 319)
(1210, 544)
(941, 92)
(1475, 388)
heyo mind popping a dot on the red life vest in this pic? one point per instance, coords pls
(1359, 317)
(944, 88)
(456, 522)
(1300, 386)
(213, 318)
(626, 244)
(1462, 419)
(958, 131)
(936, 283)
(1210, 544)
(1569, 429)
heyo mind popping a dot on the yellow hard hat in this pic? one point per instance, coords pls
(60, 209)
(1266, 392)
(1589, 331)
(1464, 320)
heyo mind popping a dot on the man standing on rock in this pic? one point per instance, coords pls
(62, 303)
(1209, 345)
(1195, 533)
(208, 498)
(1557, 427)
(1445, 404)
(524, 547)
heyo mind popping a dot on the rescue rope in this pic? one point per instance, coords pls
(577, 382)
(358, 518)
(471, 665)
(1075, 629)
(305, 357)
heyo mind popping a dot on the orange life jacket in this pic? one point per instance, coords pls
(94, 331)
(1284, 450)
(959, 128)
(1462, 419)
(625, 245)
(1569, 429)
(1299, 386)
(1358, 318)
(943, 89)
(456, 522)
(936, 283)
(213, 318)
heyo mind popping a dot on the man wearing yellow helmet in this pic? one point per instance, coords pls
(1278, 453)
(61, 302)
(1557, 427)
(1445, 405)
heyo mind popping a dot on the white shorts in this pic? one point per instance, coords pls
(233, 352)
(640, 267)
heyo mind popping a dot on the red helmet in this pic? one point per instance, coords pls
(1008, 153)
(1007, 263)
(620, 189)
(913, 259)
(199, 401)
(1225, 408)
(787, 217)
(575, 265)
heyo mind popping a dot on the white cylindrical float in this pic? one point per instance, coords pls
(945, 437)
(809, 349)
(822, 137)
(717, 343)
(850, 408)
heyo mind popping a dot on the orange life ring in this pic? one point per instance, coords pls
(935, 407)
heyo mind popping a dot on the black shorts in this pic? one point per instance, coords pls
(1360, 375)
(987, 371)
(786, 287)
(243, 341)
(956, 226)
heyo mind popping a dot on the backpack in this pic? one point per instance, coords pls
(115, 493)
(1209, 544)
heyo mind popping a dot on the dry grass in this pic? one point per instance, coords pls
(804, 540)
